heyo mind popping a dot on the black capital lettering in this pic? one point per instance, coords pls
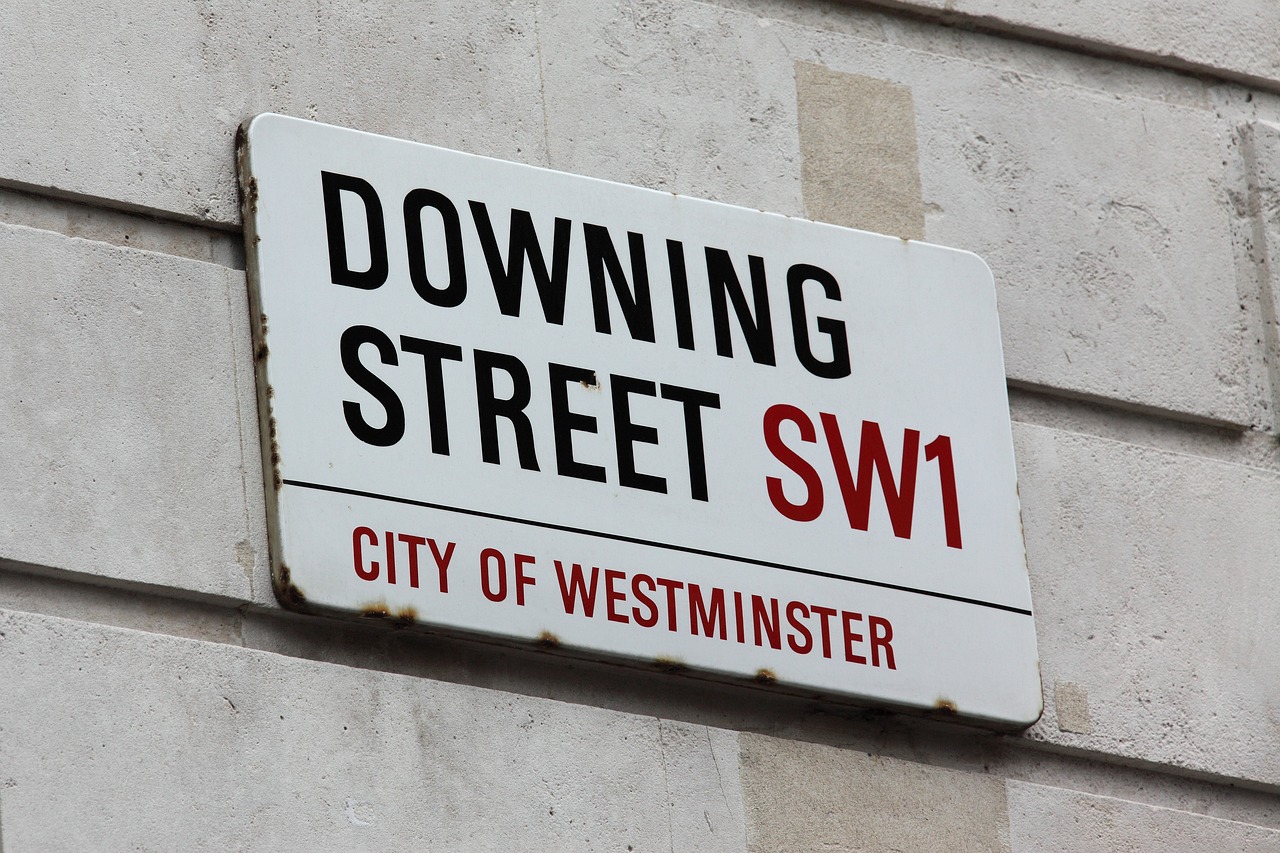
(433, 355)
(452, 294)
(332, 187)
(565, 422)
(627, 433)
(838, 367)
(680, 294)
(508, 277)
(694, 402)
(393, 430)
(756, 328)
(633, 299)
(490, 408)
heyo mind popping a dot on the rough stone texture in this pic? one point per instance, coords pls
(144, 109)
(66, 595)
(704, 802)
(803, 796)
(858, 142)
(130, 230)
(1106, 223)
(1103, 216)
(1153, 583)
(157, 743)
(673, 96)
(1236, 37)
(129, 448)
(1262, 165)
(1043, 819)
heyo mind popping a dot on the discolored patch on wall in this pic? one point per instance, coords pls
(1071, 702)
(860, 163)
(804, 796)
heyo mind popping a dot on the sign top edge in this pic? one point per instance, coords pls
(255, 127)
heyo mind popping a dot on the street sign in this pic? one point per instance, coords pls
(502, 400)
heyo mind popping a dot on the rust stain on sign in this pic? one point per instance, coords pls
(287, 592)
(766, 676)
(375, 610)
(548, 640)
(275, 453)
(248, 189)
(379, 609)
(261, 352)
(670, 664)
(945, 706)
(251, 194)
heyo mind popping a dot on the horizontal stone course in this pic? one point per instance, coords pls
(1152, 579)
(1104, 218)
(121, 740)
(139, 106)
(128, 456)
(1045, 819)
(1235, 38)
(129, 441)
(1107, 224)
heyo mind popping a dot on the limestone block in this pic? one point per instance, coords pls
(674, 96)
(139, 102)
(1107, 223)
(128, 431)
(1152, 578)
(1043, 819)
(1099, 200)
(1103, 216)
(803, 796)
(1234, 37)
(120, 740)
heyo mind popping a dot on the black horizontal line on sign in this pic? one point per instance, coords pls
(664, 545)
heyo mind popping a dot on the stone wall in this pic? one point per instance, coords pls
(1118, 168)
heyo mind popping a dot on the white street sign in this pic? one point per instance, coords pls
(504, 400)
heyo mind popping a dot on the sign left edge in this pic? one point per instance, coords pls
(286, 590)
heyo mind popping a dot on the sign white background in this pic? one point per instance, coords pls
(924, 353)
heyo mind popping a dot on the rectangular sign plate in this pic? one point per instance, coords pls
(509, 401)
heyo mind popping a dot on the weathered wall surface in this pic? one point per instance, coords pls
(1118, 169)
